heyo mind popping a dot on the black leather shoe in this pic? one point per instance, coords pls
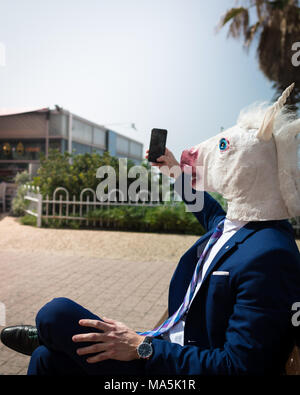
(21, 338)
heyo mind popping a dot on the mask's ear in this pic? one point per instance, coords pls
(265, 132)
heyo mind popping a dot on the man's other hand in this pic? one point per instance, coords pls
(115, 341)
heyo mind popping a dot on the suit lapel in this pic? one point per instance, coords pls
(239, 237)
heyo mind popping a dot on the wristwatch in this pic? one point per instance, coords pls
(145, 349)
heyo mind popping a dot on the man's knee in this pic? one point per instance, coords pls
(52, 312)
(54, 316)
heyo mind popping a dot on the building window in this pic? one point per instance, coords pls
(81, 148)
(58, 125)
(122, 145)
(136, 149)
(99, 137)
(55, 145)
(81, 131)
(21, 150)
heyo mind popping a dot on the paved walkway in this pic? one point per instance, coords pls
(121, 275)
(38, 264)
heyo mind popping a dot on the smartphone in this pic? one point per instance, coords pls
(157, 144)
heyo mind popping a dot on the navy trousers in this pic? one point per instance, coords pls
(57, 322)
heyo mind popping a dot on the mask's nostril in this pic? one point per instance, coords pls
(188, 159)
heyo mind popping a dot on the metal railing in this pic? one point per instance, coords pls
(61, 207)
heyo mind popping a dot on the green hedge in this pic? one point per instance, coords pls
(164, 218)
(161, 219)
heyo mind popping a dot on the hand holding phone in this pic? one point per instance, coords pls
(168, 165)
(157, 144)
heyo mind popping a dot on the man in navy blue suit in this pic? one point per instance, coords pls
(238, 321)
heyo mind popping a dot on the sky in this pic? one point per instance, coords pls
(155, 63)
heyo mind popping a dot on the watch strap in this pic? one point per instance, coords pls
(147, 340)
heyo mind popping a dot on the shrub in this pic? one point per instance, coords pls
(164, 218)
(57, 171)
(28, 220)
(19, 205)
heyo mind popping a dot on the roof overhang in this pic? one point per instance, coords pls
(4, 112)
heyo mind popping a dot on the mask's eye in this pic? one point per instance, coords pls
(224, 145)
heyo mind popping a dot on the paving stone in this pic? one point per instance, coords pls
(29, 280)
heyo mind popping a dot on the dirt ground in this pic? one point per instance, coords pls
(104, 244)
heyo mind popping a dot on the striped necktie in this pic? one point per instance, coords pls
(171, 321)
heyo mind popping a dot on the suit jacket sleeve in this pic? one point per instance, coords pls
(211, 214)
(265, 290)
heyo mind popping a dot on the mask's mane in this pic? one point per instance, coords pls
(252, 117)
(286, 127)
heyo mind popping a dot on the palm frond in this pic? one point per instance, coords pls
(232, 14)
(239, 18)
(277, 27)
(251, 32)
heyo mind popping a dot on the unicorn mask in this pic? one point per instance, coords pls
(254, 164)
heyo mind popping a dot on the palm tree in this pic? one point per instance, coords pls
(276, 28)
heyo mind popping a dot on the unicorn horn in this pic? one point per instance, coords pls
(283, 98)
(266, 130)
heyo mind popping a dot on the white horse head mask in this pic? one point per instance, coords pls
(254, 164)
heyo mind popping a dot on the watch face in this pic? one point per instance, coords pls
(144, 350)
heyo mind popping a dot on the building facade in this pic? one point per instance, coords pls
(24, 135)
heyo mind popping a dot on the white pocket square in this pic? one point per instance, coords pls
(220, 274)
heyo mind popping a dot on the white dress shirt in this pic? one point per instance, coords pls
(176, 334)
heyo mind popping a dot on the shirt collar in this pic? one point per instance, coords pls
(231, 226)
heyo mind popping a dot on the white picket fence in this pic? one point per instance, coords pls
(78, 209)
(74, 209)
